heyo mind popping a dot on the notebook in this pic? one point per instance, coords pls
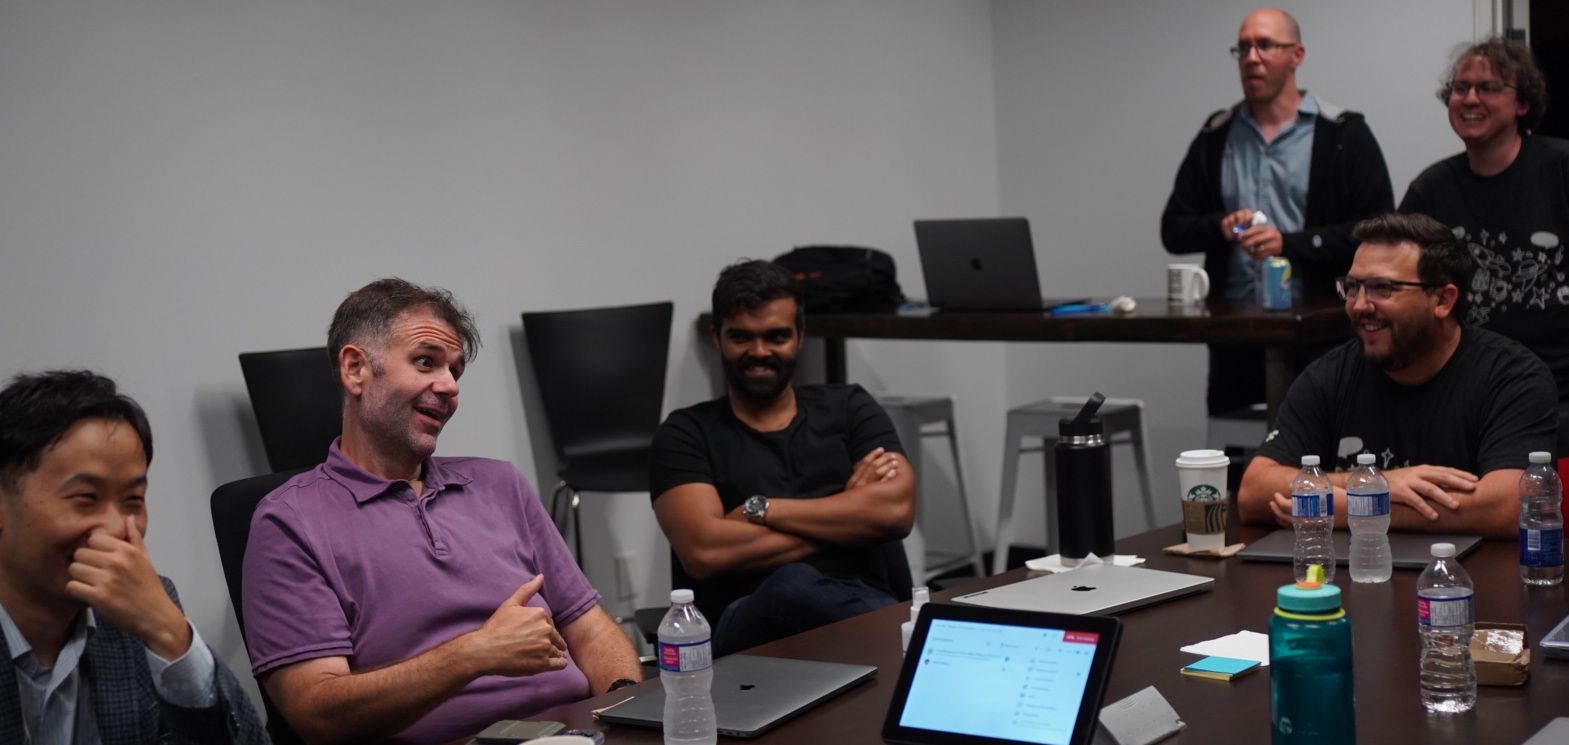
(1408, 550)
(980, 265)
(975, 674)
(1101, 588)
(752, 694)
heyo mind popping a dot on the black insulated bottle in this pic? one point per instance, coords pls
(1084, 486)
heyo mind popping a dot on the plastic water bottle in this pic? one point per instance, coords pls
(1541, 523)
(1367, 512)
(686, 659)
(1445, 617)
(1313, 517)
(1311, 701)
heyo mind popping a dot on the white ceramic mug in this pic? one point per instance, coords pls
(1202, 476)
(1186, 284)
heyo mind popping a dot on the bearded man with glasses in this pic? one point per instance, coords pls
(1451, 410)
(1312, 167)
(1507, 198)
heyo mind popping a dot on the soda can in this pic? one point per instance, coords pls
(1274, 283)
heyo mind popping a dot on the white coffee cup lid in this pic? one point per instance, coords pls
(1202, 459)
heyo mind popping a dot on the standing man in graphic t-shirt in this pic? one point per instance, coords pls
(1311, 167)
(1507, 198)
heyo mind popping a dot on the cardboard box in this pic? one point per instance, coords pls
(1502, 652)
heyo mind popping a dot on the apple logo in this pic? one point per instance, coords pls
(1082, 588)
(975, 264)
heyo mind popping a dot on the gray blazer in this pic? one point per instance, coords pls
(125, 703)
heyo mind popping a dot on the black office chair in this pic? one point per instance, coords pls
(601, 375)
(295, 396)
(232, 505)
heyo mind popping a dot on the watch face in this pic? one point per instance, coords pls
(755, 505)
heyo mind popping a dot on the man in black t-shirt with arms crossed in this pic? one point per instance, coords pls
(782, 503)
(1450, 410)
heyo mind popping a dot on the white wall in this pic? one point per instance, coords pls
(1096, 105)
(187, 180)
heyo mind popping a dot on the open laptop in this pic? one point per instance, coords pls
(1100, 588)
(1408, 550)
(991, 675)
(752, 694)
(983, 264)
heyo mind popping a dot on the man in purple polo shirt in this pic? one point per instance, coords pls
(393, 595)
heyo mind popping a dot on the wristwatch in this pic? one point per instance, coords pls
(755, 508)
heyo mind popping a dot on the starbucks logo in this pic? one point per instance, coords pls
(1204, 493)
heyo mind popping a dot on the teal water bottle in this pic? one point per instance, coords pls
(1310, 695)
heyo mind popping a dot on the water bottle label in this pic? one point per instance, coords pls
(1313, 505)
(1541, 548)
(686, 658)
(1367, 505)
(1444, 612)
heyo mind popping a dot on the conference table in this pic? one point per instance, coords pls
(1312, 322)
(1383, 619)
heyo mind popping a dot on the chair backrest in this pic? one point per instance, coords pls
(232, 506)
(295, 396)
(601, 375)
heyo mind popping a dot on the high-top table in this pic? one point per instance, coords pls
(1154, 320)
(1383, 619)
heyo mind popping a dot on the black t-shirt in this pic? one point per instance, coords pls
(1490, 405)
(1515, 224)
(834, 426)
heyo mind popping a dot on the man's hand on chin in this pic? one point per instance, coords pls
(117, 580)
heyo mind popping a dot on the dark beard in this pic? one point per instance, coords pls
(1406, 345)
(759, 389)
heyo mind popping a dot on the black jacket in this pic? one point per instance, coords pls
(1348, 182)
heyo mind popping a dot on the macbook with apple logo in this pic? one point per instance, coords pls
(981, 264)
(1100, 589)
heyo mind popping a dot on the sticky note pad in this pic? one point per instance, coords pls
(1220, 668)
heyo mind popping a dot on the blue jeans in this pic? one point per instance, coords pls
(794, 598)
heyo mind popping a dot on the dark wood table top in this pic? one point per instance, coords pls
(1383, 620)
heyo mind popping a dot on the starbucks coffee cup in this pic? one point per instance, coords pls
(1202, 476)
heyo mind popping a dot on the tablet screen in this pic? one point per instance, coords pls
(1004, 676)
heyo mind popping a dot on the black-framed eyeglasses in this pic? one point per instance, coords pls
(1377, 289)
(1459, 88)
(1265, 47)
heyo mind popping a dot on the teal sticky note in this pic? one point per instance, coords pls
(1226, 667)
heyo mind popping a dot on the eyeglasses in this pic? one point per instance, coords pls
(1377, 289)
(1265, 47)
(1459, 88)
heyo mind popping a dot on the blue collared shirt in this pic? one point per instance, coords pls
(1271, 177)
(57, 704)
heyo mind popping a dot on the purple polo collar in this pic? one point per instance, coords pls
(366, 486)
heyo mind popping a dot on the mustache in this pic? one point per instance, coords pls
(772, 363)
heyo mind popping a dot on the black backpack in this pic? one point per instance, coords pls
(843, 278)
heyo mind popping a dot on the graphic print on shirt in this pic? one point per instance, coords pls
(1512, 278)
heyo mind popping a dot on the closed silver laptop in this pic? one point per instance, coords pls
(1101, 588)
(752, 694)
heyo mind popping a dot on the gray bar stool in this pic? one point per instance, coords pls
(912, 415)
(1124, 422)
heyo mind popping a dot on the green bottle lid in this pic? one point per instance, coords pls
(1311, 596)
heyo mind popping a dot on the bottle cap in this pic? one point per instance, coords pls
(1309, 460)
(1443, 550)
(1312, 595)
(680, 597)
(1541, 456)
(1366, 459)
(920, 596)
(1085, 423)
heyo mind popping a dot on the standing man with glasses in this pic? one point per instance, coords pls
(1313, 168)
(1450, 410)
(1507, 199)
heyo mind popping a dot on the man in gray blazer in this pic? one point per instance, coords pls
(95, 648)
